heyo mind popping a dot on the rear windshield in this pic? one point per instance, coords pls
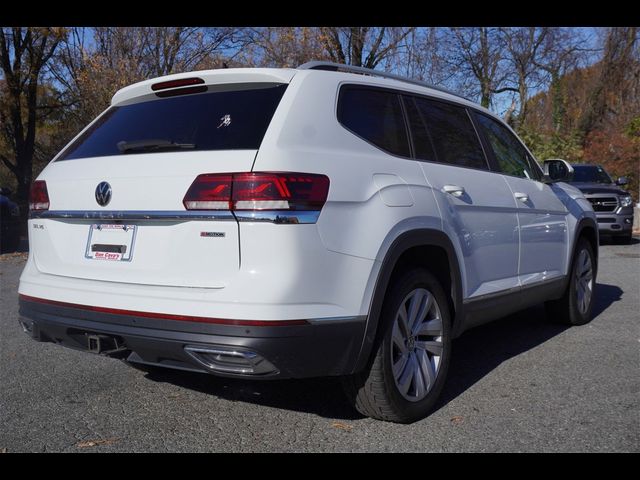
(220, 120)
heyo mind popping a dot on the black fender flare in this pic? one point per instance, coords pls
(423, 237)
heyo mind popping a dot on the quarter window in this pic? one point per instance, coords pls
(511, 156)
(376, 116)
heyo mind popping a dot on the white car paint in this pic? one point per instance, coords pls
(277, 272)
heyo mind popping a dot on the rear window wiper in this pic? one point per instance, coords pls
(152, 145)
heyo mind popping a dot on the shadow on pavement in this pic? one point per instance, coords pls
(475, 354)
(605, 296)
(610, 240)
(319, 396)
(480, 350)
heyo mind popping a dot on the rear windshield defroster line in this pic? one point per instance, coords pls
(229, 119)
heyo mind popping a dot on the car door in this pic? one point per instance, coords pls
(476, 204)
(542, 216)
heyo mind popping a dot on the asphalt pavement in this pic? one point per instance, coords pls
(520, 384)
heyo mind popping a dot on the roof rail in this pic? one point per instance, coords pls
(340, 67)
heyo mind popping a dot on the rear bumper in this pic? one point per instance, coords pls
(288, 350)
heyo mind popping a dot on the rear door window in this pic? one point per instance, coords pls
(224, 119)
(454, 138)
(376, 116)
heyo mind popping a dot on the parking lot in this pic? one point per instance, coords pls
(519, 384)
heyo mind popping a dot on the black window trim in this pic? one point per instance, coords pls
(407, 127)
(406, 98)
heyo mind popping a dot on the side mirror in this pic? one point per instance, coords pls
(557, 170)
(622, 181)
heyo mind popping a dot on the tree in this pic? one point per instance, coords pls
(562, 50)
(24, 54)
(92, 64)
(362, 46)
(285, 47)
(423, 56)
(479, 53)
(619, 81)
(523, 46)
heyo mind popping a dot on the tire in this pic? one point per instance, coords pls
(573, 308)
(421, 368)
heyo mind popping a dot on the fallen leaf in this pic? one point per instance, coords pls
(458, 419)
(95, 443)
(342, 426)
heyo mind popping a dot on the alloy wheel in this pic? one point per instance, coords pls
(416, 344)
(584, 281)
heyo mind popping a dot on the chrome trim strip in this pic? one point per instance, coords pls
(218, 351)
(273, 216)
(290, 217)
(166, 215)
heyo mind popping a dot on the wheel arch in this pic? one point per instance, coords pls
(419, 247)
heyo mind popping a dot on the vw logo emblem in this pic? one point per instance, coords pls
(103, 193)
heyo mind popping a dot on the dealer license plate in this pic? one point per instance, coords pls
(111, 242)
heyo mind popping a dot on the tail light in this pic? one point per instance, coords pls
(258, 191)
(38, 196)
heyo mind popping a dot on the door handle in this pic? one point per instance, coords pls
(523, 197)
(454, 190)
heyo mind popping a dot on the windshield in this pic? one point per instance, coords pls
(590, 174)
(235, 118)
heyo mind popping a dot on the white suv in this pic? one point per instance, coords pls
(287, 223)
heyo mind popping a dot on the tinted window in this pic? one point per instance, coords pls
(220, 120)
(590, 174)
(422, 146)
(454, 138)
(512, 157)
(376, 116)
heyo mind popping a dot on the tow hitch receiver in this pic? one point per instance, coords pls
(105, 345)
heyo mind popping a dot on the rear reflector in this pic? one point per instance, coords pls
(258, 191)
(183, 82)
(38, 196)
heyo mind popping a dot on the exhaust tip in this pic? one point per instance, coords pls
(230, 360)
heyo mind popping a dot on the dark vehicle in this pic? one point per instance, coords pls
(9, 222)
(612, 204)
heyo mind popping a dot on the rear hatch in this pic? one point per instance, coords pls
(149, 150)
